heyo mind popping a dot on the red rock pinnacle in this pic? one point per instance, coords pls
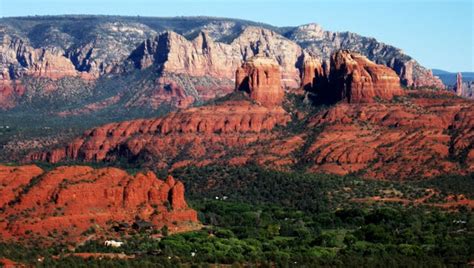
(260, 77)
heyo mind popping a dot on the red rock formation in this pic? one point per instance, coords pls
(395, 141)
(51, 64)
(9, 90)
(425, 134)
(459, 84)
(419, 136)
(322, 44)
(314, 73)
(260, 78)
(463, 142)
(425, 78)
(118, 47)
(229, 124)
(356, 79)
(73, 199)
(200, 57)
(13, 179)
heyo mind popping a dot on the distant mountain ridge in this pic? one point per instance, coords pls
(62, 60)
(449, 78)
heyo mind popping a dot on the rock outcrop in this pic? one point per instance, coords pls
(421, 137)
(13, 179)
(202, 56)
(198, 57)
(192, 130)
(355, 79)
(20, 58)
(421, 134)
(322, 44)
(71, 200)
(413, 75)
(468, 90)
(314, 73)
(51, 64)
(107, 45)
(259, 77)
(459, 85)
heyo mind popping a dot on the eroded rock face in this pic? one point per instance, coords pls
(72, 199)
(415, 76)
(20, 58)
(314, 73)
(192, 63)
(459, 85)
(106, 46)
(201, 69)
(103, 44)
(202, 56)
(395, 141)
(322, 44)
(52, 64)
(175, 54)
(421, 134)
(355, 79)
(199, 131)
(13, 178)
(260, 78)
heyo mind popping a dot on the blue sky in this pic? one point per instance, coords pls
(437, 33)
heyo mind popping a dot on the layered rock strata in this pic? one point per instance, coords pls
(67, 201)
(259, 77)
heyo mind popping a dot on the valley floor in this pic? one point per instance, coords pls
(254, 216)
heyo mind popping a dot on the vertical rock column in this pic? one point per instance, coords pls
(459, 84)
(260, 78)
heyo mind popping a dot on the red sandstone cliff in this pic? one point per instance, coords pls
(20, 59)
(73, 199)
(228, 124)
(424, 134)
(420, 134)
(314, 73)
(355, 79)
(260, 78)
(419, 137)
